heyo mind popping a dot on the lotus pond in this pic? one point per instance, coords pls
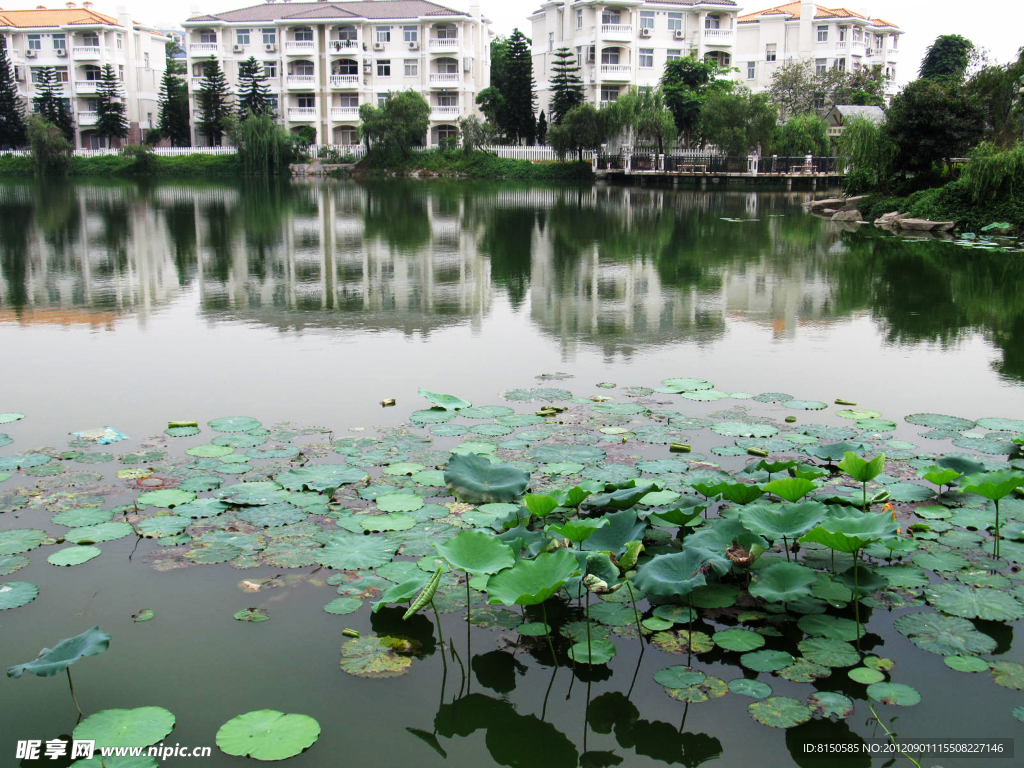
(671, 485)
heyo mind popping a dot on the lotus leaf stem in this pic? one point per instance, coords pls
(547, 633)
(636, 613)
(892, 737)
(71, 685)
(440, 636)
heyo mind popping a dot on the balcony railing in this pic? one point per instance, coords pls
(344, 113)
(301, 81)
(344, 45)
(858, 47)
(445, 77)
(203, 48)
(302, 113)
(88, 118)
(197, 83)
(616, 71)
(444, 43)
(300, 46)
(617, 29)
(445, 112)
(892, 53)
(840, 45)
(86, 52)
(86, 86)
(718, 36)
(344, 81)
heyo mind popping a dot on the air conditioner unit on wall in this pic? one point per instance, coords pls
(239, 48)
(414, 46)
(645, 32)
(270, 47)
(378, 46)
(30, 53)
(62, 53)
(679, 34)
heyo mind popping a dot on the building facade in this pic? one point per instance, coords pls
(831, 38)
(77, 42)
(323, 60)
(626, 44)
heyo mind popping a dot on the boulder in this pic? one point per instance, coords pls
(852, 203)
(889, 219)
(853, 215)
(943, 226)
(925, 225)
(835, 203)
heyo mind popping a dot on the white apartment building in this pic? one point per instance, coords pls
(832, 38)
(626, 43)
(78, 42)
(325, 59)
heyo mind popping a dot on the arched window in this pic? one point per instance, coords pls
(610, 55)
(346, 135)
(91, 72)
(302, 67)
(207, 36)
(345, 67)
(446, 66)
(721, 58)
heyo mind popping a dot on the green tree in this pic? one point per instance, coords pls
(948, 56)
(51, 151)
(566, 85)
(492, 103)
(475, 133)
(686, 84)
(173, 121)
(213, 100)
(264, 147)
(798, 88)
(738, 122)
(174, 64)
(801, 135)
(644, 117)
(582, 128)
(12, 113)
(252, 89)
(50, 104)
(392, 130)
(518, 90)
(996, 89)
(930, 122)
(111, 122)
(866, 152)
(542, 128)
(491, 100)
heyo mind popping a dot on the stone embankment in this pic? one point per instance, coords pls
(844, 209)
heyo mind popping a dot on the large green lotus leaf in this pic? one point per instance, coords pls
(944, 635)
(210, 451)
(992, 485)
(399, 502)
(15, 594)
(783, 582)
(740, 493)
(974, 602)
(138, 727)
(7, 418)
(825, 625)
(268, 735)
(766, 661)
(65, 653)
(99, 533)
(447, 402)
(1008, 674)
(939, 421)
(487, 412)
(680, 385)
(11, 563)
(894, 693)
(348, 553)
(166, 498)
(622, 498)
(73, 555)
(743, 429)
(676, 574)
(578, 530)
(200, 483)
(556, 454)
(775, 521)
(792, 489)
(234, 424)
(829, 652)
(1002, 425)
(909, 492)
(780, 712)
(201, 508)
(163, 525)
(623, 527)
(835, 451)
(82, 516)
(321, 477)
(849, 531)
(477, 552)
(375, 657)
(966, 663)
(831, 704)
(594, 652)
(273, 515)
(18, 540)
(531, 582)
(24, 461)
(755, 689)
(738, 639)
(473, 479)
(860, 469)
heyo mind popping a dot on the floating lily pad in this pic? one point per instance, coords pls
(74, 555)
(166, 498)
(320, 477)
(355, 552)
(830, 704)
(780, 712)
(736, 639)
(375, 657)
(894, 693)
(939, 421)
(974, 602)
(865, 675)
(805, 405)
(268, 735)
(95, 534)
(594, 652)
(15, 594)
(744, 429)
(138, 727)
(682, 641)
(252, 615)
(1008, 674)
(804, 671)
(754, 689)
(82, 516)
(343, 605)
(234, 424)
(11, 563)
(829, 652)
(766, 661)
(399, 502)
(966, 663)
(446, 402)
(709, 688)
(7, 418)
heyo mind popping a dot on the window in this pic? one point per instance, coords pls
(92, 40)
(270, 37)
(842, 34)
(646, 58)
(93, 73)
(840, 65)
(712, 21)
(611, 17)
(303, 35)
(858, 34)
(446, 32)
(447, 100)
(120, 72)
(893, 40)
(383, 34)
(62, 74)
(673, 53)
(270, 69)
(675, 22)
(579, 55)
(272, 101)
(721, 58)
(610, 56)
(384, 68)
(770, 52)
(207, 36)
(820, 66)
(346, 136)
(59, 42)
(145, 60)
(304, 68)
(35, 42)
(579, 18)
(823, 34)
(647, 19)
(242, 36)
(447, 133)
(412, 68)
(381, 98)
(447, 66)
(411, 34)
(35, 74)
(346, 67)
(609, 93)
(305, 101)
(119, 40)
(551, 42)
(348, 100)
(348, 34)
(92, 105)
(751, 70)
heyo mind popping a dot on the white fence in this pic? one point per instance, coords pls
(165, 151)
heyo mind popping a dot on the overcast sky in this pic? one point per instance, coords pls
(997, 26)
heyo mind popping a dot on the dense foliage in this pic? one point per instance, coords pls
(798, 88)
(644, 117)
(50, 104)
(738, 122)
(392, 130)
(264, 147)
(51, 151)
(801, 135)
(111, 122)
(566, 85)
(213, 100)
(12, 111)
(173, 121)
(687, 83)
(252, 89)
(948, 56)
(582, 128)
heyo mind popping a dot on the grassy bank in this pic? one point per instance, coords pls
(950, 202)
(475, 165)
(118, 165)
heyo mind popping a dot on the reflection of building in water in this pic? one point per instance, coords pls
(81, 254)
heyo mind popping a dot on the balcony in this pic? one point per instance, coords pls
(345, 113)
(718, 36)
(297, 47)
(302, 114)
(444, 43)
(623, 32)
(197, 83)
(891, 54)
(88, 118)
(858, 48)
(86, 86)
(203, 49)
(301, 81)
(344, 46)
(616, 71)
(445, 78)
(841, 45)
(344, 81)
(445, 113)
(86, 52)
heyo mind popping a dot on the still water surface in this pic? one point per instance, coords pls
(129, 306)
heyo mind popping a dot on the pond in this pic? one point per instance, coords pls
(278, 317)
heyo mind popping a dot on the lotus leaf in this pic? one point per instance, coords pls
(74, 555)
(939, 421)
(677, 386)
(23, 461)
(376, 657)
(744, 429)
(530, 582)
(829, 652)
(201, 483)
(830, 704)
(202, 508)
(656, 624)
(7, 418)
(894, 693)
(780, 712)
(82, 516)
(1008, 674)
(613, 614)
(622, 497)
(166, 498)
(487, 412)
(234, 424)
(783, 582)
(52, 661)
(971, 602)
(966, 663)
(273, 515)
(477, 552)
(446, 402)
(1002, 425)
(210, 451)
(672, 575)
(804, 671)
(253, 615)
(766, 661)
(343, 605)
(475, 480)
(594, 652)
(433, 416)
(865, 675)
(94, 534)
(553, 454)
(714, 596)
(851, 532)
(320, 477)
(578, 530)
(940, 561)
(349, 552)
(710, 688)
(737, 639)
(740, 493)
(11, 563)
(240, 441)
(705, 395)
(268, 735)
(683, 641)
(623, 527)
(679, 677)
(805, 405)
(835, 451)
(832, 627)
(776, 521)
(908, 492)
(138, 727)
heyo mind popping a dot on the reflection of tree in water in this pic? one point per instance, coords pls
(508, 240)
(180, 220)
(396, 213)
(16, 224)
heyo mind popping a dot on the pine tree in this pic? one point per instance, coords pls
(12, 116)
(520, 98)
(50, 103)
(566, 85)
(252, 89)
(213, 100)
(172, 117)
(542, 128)
(111, 122)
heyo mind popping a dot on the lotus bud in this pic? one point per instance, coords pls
(595, 585)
